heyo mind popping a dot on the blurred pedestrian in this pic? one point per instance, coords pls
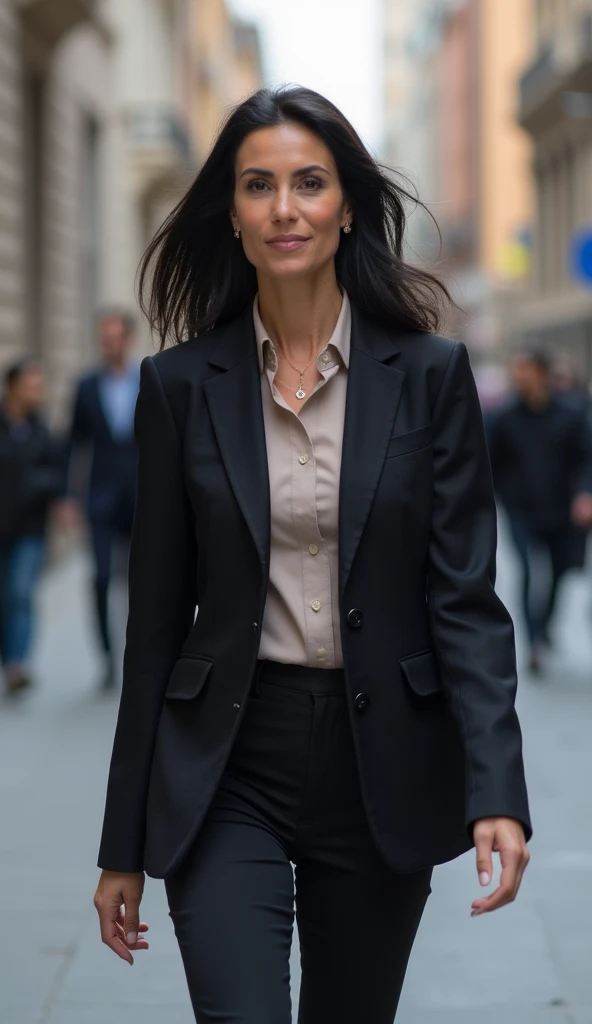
(101, 438)
(344, 698)
(29, 481)
(541, 456)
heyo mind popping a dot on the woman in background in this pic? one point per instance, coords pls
(29, 481)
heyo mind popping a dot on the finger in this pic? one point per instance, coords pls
(513, 860)
(121, 922)
(132, 920)
(522, 866)
(505, 891)
(122, 935)
(140, 944)
(108, 915)
(483, 850)
(497, 899)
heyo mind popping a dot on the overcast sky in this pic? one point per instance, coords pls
(333, 46)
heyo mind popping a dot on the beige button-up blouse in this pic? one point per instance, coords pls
(301, 618)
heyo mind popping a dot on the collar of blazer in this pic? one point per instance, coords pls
(373, 395)
(236, 340)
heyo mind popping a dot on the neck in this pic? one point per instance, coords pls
(14, 409)
(300, 316)
(116, 365)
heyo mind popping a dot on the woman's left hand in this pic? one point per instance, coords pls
(506, 837)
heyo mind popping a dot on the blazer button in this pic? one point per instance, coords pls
(362, 701)
(355, 618)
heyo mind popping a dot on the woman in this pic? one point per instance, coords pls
(313, 477)
(29, 480)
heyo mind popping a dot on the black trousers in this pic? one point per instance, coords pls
(538, 603)
(290, 795)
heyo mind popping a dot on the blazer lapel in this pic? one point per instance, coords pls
(236, 411)
(373, 394)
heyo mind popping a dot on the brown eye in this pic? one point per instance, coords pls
(257, 186)
(312, 184)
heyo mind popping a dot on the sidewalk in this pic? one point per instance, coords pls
(529, 964)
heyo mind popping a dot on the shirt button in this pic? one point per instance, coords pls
(316, 605)
(321, 653)
(303, 459)
(313, 548)
(326, 357)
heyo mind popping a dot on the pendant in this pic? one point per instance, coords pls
(301, 393)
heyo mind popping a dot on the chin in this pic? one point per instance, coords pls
(286, 269)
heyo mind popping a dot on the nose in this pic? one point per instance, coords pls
(284, 207)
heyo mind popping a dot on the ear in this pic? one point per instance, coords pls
(347, 213)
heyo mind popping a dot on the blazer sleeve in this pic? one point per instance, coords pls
(162, 602)
(472, 631)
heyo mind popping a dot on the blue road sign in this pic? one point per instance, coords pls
(581, 256)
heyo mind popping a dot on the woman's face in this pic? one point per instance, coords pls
(28, 390)
(288, 201)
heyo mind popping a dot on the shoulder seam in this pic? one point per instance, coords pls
(453, 351)
(150, 361)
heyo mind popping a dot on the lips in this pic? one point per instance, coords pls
(287, 243)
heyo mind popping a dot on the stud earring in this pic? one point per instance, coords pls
(237, 232)
(347, 229)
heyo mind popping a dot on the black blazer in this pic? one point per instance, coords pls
(29, 478)
(113, 465)
(428, 646)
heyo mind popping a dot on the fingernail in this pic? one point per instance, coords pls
(132, 938)
(484, 878)
(476, 913)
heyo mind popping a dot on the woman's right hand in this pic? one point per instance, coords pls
(117, 900)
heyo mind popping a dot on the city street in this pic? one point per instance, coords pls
(529, 964)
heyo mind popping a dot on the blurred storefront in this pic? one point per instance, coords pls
(451, 126)
(106, 110)
(555, 107)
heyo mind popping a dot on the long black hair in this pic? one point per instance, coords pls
(195, 276)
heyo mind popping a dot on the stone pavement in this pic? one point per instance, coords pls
(529, 964)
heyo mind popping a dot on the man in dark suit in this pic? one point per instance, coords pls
(101, 441)
(541, 456)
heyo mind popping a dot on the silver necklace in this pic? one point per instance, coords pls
(300, 392)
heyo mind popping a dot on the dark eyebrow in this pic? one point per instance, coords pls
(261, 173)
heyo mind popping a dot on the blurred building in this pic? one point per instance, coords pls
(58, 250)
(556, 110)
(227, 63)
(107, 108)
(451, 125)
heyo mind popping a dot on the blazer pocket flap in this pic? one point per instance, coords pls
(412, 441)
(422, 673)
(187, 678)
